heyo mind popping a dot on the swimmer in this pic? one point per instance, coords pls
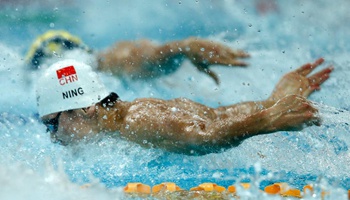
(75, 106)
(141, 59)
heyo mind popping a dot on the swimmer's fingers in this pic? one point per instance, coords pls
(223, 56)
(317, 79)
(308, 68)
(211, 53)
(238, 63)
(239, 54)
(316, 121)
(223, 60)
(210, 73)
(232, 58)
(309, 119)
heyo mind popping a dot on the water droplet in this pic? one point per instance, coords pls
(217, 175)
(250, 25)
(257, 167)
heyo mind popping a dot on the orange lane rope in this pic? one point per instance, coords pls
(282, 189)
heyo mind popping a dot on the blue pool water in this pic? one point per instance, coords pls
(282, 38)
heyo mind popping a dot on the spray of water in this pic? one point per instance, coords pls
(31, 167)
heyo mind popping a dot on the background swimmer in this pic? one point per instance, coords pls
(141, 59)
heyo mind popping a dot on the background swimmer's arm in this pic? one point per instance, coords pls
(144, 59)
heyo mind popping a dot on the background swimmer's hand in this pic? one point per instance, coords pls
(292, 112)
(297, 82)
(204, 53)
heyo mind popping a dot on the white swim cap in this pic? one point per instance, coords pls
(67, 85)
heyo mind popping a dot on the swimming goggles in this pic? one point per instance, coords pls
(52, 124)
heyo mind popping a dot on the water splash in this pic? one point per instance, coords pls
(278, 42)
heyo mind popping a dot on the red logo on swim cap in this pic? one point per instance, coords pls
(67, 71)
(67, 75)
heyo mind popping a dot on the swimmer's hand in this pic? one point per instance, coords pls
(292, 112)
(204, 53)
(299, 83)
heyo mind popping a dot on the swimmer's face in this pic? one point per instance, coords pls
(73, 125)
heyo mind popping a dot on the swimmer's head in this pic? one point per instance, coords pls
(56, 45)
(67, 85)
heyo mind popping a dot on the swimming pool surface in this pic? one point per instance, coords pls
(280, 36)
